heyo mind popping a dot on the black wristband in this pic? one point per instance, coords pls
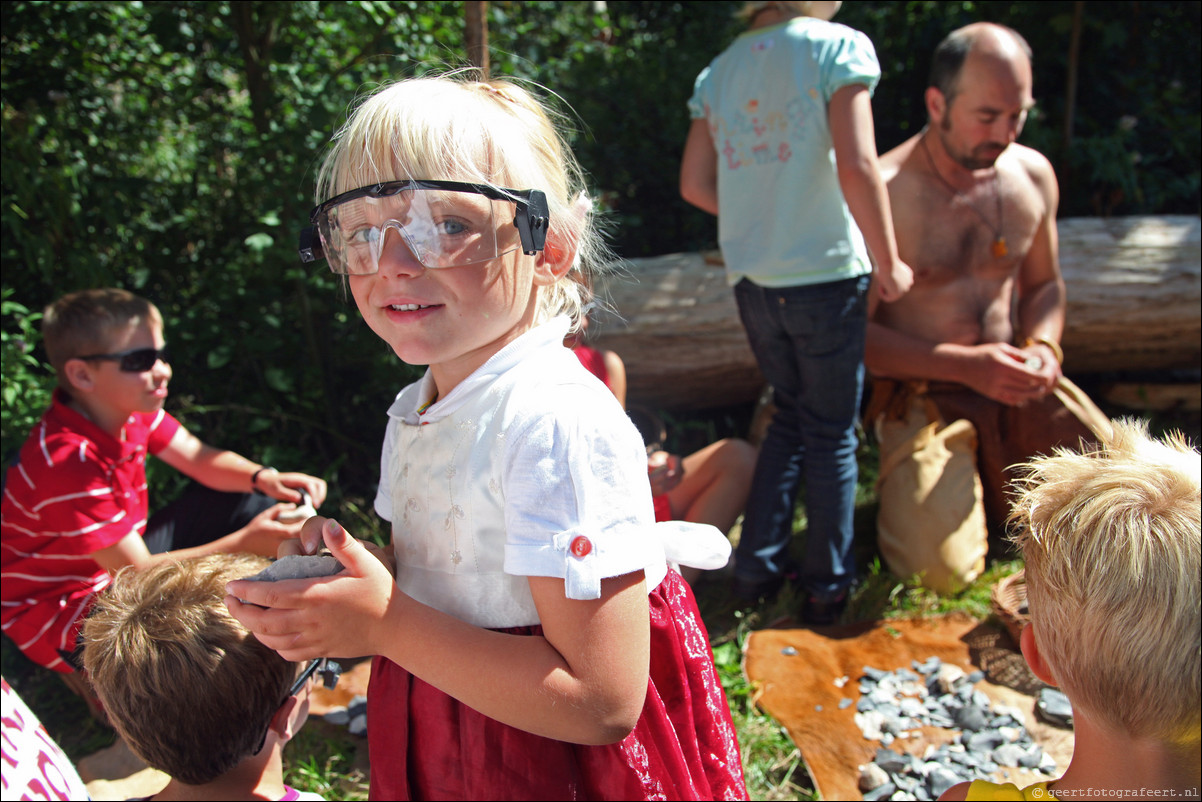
(254, 477)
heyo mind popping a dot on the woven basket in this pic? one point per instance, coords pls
(1010, 604)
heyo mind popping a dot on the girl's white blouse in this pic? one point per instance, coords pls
(529, 467)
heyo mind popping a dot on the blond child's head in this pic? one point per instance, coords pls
(821, 9)
(1111, 542)
(188, 687)
(88, 321)
(495, 133)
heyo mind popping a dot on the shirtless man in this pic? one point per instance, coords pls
(975, 216)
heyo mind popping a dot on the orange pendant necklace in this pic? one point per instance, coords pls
(998, 246)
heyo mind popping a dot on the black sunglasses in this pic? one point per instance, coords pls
(329, 669)
(135, 360)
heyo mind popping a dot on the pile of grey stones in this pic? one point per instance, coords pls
(893, 704)
(353, 716)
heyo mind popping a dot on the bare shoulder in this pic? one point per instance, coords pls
(895, 163)
(1036, 167)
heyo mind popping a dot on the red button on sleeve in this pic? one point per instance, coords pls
(581, 546)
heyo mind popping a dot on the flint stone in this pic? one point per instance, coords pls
(940, 779)
(875, 674)
(872, 776)
(1008, 755)
(1031, 757)
(896, 724)
(869, 723)
(930, 666)
(880, 792)
(298, 566)
(946, 678)
(337, 715)
(985, 741)
(1054, 708)
(970, 718)
(892, 762)
(844, 703)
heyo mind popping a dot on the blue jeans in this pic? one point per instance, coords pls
(809, 343)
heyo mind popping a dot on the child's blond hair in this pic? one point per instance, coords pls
(1111, 541)
(188, 687)
(85, 322)
(453, 128)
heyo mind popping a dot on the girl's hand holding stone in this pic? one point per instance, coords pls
(337, 615)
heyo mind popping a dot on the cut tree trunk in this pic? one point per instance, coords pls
(1134, 304)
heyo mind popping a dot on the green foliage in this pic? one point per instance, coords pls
(26, 387)
(170, 148)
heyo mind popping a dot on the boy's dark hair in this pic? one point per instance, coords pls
(82, 323)
(188, 687)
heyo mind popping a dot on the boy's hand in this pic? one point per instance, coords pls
(265, 533)
(284, 486)
(309, 618)
(665, 471)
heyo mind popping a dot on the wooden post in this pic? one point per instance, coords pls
(476, 12)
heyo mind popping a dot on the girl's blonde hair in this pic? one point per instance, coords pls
(791, 8)
(453, 128)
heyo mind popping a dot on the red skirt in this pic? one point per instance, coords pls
(424, 744)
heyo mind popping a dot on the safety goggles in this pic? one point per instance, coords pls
(135, 360)
(443, 223)
(329, 670)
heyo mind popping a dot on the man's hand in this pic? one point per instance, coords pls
(1010, 375)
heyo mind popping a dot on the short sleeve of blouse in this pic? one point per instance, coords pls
(697, 102)
(848, 58)
(577, 499)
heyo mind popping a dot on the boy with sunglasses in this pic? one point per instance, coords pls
(188, 688)
(75, 504)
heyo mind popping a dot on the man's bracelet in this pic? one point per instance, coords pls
(1055, 346)
(254, 477)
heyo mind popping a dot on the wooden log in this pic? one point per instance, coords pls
(1133, 290)
(1133, 293)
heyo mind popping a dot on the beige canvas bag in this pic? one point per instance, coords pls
(931, 521)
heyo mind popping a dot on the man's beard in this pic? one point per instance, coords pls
(982, 156)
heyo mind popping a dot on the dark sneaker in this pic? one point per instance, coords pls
(753, 590)
(820, 613)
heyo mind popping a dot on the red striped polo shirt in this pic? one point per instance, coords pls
(74, 491)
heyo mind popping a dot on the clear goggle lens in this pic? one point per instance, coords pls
(441, 227)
